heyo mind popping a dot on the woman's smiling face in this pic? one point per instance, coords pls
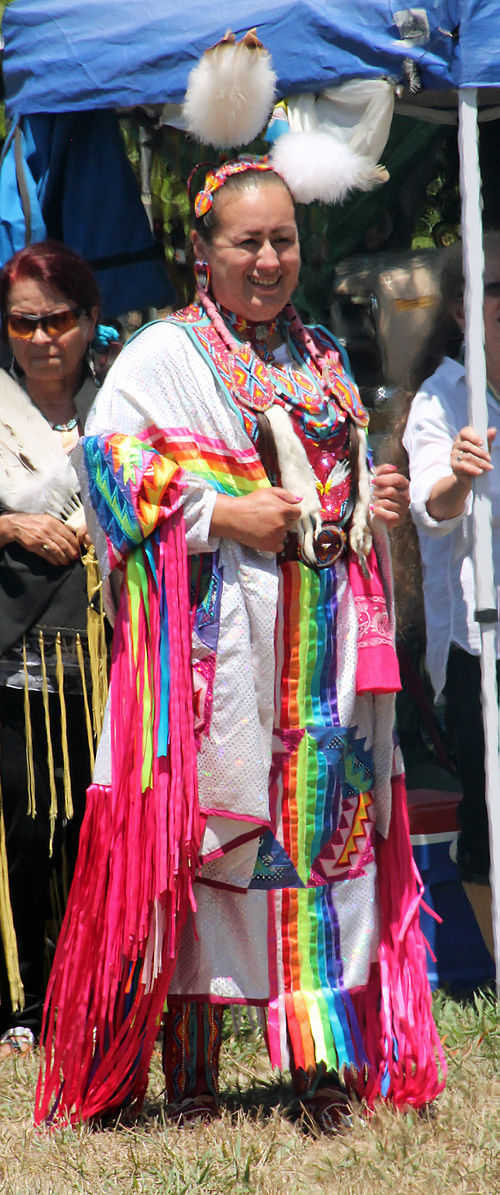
(254, 253)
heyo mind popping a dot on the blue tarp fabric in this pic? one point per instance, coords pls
(477, 62)
(67, 63)
(63, 55)
(81, 190)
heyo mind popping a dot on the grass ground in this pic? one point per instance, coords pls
(258, 1147)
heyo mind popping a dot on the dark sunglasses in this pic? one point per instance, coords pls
(56, 323)
(492, 289)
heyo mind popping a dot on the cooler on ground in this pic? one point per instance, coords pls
(462, 960)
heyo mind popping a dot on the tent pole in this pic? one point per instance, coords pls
(475, 364)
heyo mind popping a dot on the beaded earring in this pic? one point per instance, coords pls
(89, 360)
(202, 271)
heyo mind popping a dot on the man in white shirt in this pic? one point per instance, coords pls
(445, 456)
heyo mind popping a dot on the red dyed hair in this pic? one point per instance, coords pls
(55, 265)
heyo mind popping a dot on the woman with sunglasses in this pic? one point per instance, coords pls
(445, 456)
(49, 303)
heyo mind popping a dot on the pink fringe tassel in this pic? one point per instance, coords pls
(406, 1059)
(133, 881)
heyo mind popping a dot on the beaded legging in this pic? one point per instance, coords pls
(192, 1032)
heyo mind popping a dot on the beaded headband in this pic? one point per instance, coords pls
(216, 179)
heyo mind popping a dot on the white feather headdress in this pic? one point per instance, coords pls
(324, 147)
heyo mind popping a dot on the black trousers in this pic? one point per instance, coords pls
(27, 838)
(465, 727)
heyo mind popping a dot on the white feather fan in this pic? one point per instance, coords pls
(334, 140)
(36, 475)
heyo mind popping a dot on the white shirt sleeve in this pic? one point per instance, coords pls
(428, 440)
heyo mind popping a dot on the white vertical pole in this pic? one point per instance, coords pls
(475, 364)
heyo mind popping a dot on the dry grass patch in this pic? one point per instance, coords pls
(259, 1146)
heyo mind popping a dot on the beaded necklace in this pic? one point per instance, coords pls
(258, 334)
(64, 427)
(319, 388)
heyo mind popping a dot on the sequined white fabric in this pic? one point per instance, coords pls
(160, 379)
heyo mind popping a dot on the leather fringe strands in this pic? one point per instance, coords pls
(7, 931)
(97, 663)
(50, 752)
(68, 799)
(139, 844)
(88, 720)
(30, 767)
(96, 638)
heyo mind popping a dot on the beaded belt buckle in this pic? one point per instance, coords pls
(329, 546)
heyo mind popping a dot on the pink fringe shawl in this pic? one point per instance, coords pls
(394, 1010)
(138, 853)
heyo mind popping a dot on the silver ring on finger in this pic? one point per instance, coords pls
(46, 547)
(460, 454)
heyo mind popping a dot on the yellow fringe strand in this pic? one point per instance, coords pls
(30, 767)
(88, 721)
(7, 930)
(50, 753)
(96, 641)
(68, 800)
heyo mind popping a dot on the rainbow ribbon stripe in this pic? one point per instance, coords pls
(235, 471)
(322, 785)
(128, 482)
(129, 477)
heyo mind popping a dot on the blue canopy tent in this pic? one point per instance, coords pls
(78, 62)
(119, 53)
(69, 66)
(63, 55)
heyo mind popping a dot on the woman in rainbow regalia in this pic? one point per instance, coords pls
(246, 839)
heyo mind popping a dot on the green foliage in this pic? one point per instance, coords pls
(438, 223)
(169, 170)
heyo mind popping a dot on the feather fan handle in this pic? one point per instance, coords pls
(297, 475)
(360, 536)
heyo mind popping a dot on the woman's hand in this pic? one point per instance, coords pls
(259, 520)
(391, 495)
(43, 535)
(468, 459)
